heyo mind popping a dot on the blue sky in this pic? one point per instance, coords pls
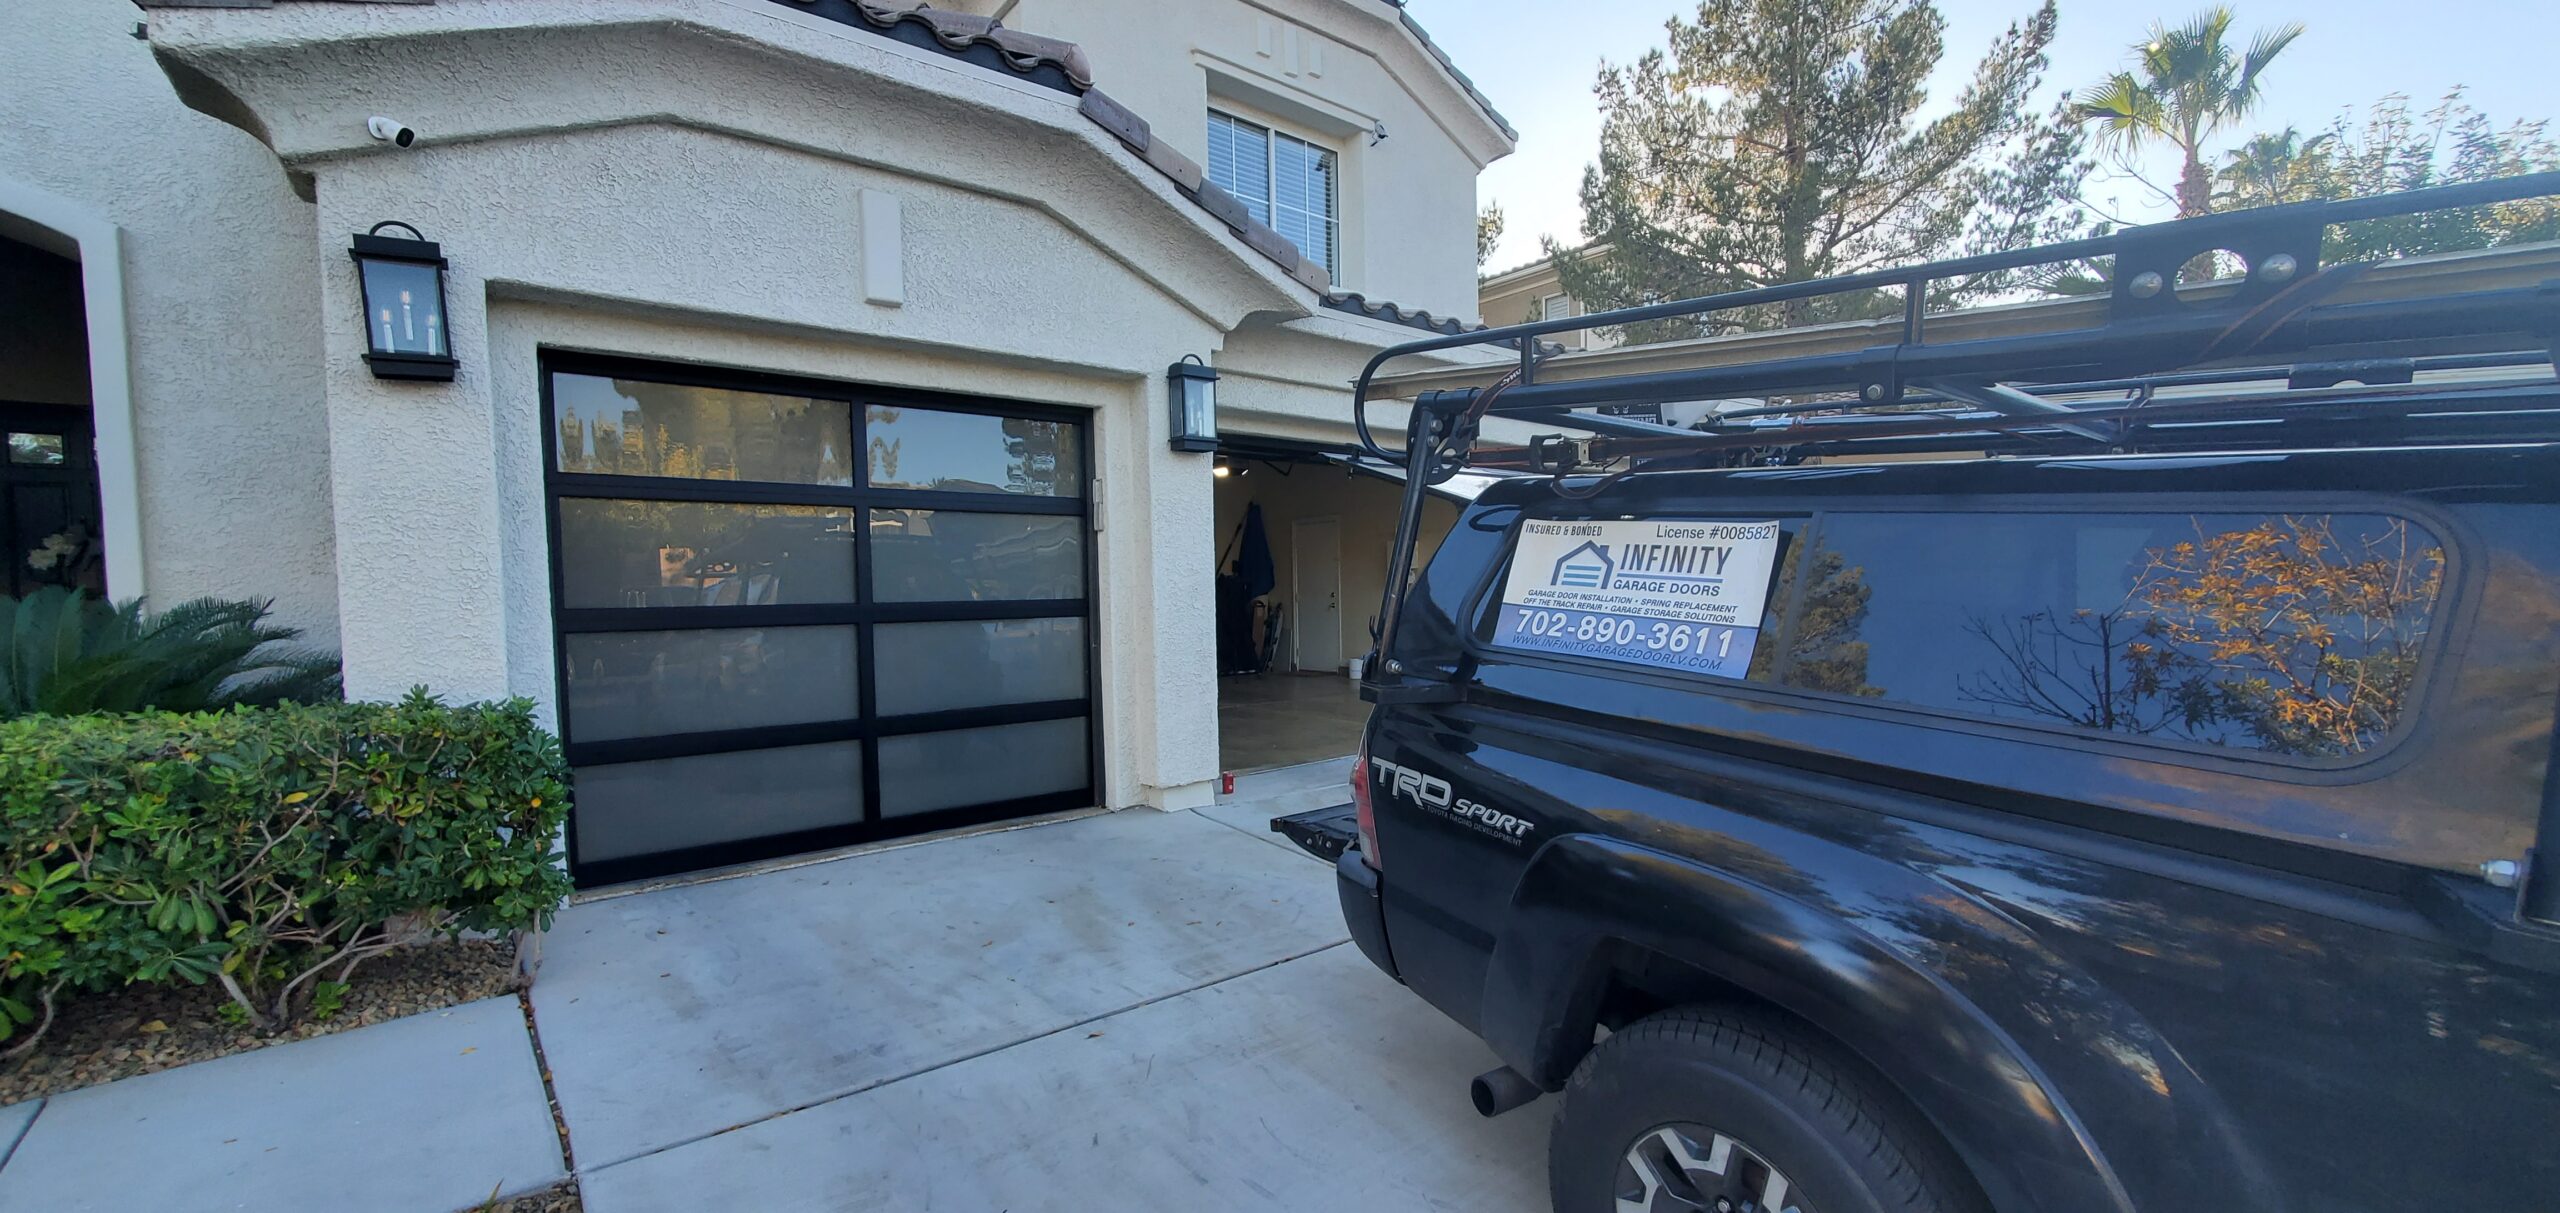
(1537, 60)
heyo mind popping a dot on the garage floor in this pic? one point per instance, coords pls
(1277, 720)
(1136, 1010)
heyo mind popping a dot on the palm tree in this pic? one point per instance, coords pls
(64, 653)
(2186, 85)
(2273, 168)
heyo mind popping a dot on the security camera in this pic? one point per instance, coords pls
(389, 129)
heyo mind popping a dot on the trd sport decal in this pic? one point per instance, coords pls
(1434, 793)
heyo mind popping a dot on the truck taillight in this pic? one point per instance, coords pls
(1360, 805)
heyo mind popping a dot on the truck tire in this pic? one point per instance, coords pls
(1699, 1104)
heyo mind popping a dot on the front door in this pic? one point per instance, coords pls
(1315, 546)
(793, 614)
(49, 500)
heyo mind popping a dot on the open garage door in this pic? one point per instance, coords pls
(793, 615)
(1286, 643)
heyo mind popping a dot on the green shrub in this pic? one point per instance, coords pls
(270, 850)
(65, 653)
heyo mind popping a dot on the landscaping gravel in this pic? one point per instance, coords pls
(103, 1037)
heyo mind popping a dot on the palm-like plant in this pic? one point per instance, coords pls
(2186, 84)
(2273, 168)
(65, 653)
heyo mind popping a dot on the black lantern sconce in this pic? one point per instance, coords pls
(405, 331)
(1193, 388)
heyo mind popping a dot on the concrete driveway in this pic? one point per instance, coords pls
(1128, 1011)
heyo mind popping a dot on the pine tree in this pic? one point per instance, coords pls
(1776, 141)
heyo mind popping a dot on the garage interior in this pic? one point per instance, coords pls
(1302, 557)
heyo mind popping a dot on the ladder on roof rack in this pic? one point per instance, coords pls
(2033, 391)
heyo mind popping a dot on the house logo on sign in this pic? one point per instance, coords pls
(1585, 568)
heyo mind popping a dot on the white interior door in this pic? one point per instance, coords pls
(1315, 545)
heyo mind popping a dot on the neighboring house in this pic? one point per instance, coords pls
(1532, 292)
(807, 453)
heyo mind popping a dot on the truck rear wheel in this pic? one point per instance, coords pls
(1722, 1111)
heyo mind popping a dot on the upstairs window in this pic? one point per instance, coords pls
(1282, 180)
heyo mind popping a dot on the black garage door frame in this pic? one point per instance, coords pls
(863, 614)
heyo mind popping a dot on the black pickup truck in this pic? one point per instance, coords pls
(2001, 782)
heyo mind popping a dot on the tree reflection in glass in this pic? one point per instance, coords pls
(2290, 634)
(631, 427)
(951, 556)
(915, 448)
(620, 553)
(1827, 652)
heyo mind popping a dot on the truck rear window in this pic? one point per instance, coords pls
(2292, 634)
(2295, 634)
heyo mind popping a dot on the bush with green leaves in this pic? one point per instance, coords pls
(267, 850)
(65, 653)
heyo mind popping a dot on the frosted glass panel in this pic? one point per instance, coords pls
(644, 684)
(700, 553)
(913, 448)
(667, 804)
(631, 427)
(922, 772)
(937, 667)
(949, 556)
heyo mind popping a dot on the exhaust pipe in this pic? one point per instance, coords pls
(1498, 1091)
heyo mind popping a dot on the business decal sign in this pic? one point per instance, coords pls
(1672, 593)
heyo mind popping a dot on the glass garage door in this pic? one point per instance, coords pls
(794, 615)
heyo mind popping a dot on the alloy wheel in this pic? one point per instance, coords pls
(1686, 1168)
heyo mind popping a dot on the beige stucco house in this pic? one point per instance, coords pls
(806, 452)
(1533, 292)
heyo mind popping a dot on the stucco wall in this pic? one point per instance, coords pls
(223, 320)
(1514, 297)
(1325, 70)
(1291, 380)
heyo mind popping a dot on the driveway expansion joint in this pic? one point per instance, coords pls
(11, 1150)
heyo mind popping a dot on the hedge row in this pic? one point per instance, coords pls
(270, 850)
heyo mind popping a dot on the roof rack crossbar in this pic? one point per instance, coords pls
(2295, 372)
(2009, 401)
(1600, 423)
(1964, 431)
(2155, 344)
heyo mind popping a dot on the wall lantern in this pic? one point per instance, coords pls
(406, 335)
(1193, 388)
